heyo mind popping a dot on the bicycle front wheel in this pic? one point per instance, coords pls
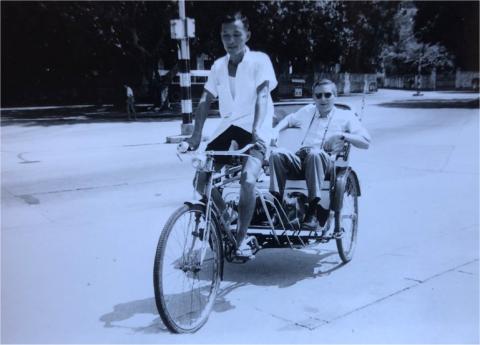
(185, 283)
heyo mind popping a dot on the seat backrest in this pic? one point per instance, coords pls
(290, 138)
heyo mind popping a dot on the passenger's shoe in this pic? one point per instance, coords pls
(310, 222)
(322, 215)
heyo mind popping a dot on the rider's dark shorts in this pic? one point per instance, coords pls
(242, 137)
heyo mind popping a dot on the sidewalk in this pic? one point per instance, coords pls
(145, 112)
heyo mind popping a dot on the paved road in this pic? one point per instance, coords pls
(83, 205)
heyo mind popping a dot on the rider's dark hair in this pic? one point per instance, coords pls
(233, 16)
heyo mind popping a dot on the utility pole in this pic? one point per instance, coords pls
(182, 30)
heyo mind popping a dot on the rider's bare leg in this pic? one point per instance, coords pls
(246, 204)
(200, 183)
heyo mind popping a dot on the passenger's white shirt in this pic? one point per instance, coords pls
(252, 71)
(129, 92)
(315, 130)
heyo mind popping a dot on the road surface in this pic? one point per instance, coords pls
(83, 205)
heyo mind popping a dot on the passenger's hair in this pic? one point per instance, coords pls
(233, 16)
(325, 82)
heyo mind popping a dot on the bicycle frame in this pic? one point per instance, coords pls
(291, 231)
(210, 206)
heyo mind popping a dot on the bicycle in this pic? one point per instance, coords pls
(195, 241)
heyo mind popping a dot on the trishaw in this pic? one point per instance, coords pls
(194, 243)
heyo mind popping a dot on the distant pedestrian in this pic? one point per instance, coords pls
(165, 88)
(130, 103)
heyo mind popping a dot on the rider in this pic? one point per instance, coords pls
(242, 81)
(324, 130)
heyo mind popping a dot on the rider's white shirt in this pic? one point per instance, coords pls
(315, 132)
(252, 71)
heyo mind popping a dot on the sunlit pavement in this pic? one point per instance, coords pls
(83, 205)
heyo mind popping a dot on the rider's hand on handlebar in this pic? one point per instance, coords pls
(182, 147)
(255, 137)
(194, 141)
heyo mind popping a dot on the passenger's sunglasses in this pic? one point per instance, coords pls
(326, 94)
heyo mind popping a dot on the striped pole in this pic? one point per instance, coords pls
(182, 30)
(184, 73)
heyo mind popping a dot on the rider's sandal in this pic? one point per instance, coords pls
(244, 251)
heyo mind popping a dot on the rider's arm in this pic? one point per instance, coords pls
(201, 114)
(261, 104)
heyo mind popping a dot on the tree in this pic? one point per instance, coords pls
(76, 44)
(89, 45)
(304, 33)
(409, 55)
(454, 25)
(369, 29)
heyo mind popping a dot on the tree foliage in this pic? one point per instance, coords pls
(408, 54)
(85, 44)
(89, 45)
(454, 25)
(305, 33)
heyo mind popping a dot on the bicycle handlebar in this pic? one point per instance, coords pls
(183, 148)
(240, 152)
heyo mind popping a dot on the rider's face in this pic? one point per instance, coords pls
(234, 37)
(324, 98)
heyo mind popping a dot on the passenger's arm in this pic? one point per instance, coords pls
(284, 123)
(201, 114)
(292, 120)
(354, 133)
(357, 140)
(334, 143)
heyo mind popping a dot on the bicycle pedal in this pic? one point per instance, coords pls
(198, 233)
(242, 259)
(338, 235)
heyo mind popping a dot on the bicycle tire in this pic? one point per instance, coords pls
(186, 320)
(347, 230)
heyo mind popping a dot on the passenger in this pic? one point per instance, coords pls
(324, 129)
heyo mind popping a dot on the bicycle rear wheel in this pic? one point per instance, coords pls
(346, 221)
(186, 287)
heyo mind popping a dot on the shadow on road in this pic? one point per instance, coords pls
(273, 267)
(433, 103)
(283, 267)
(128, 310)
